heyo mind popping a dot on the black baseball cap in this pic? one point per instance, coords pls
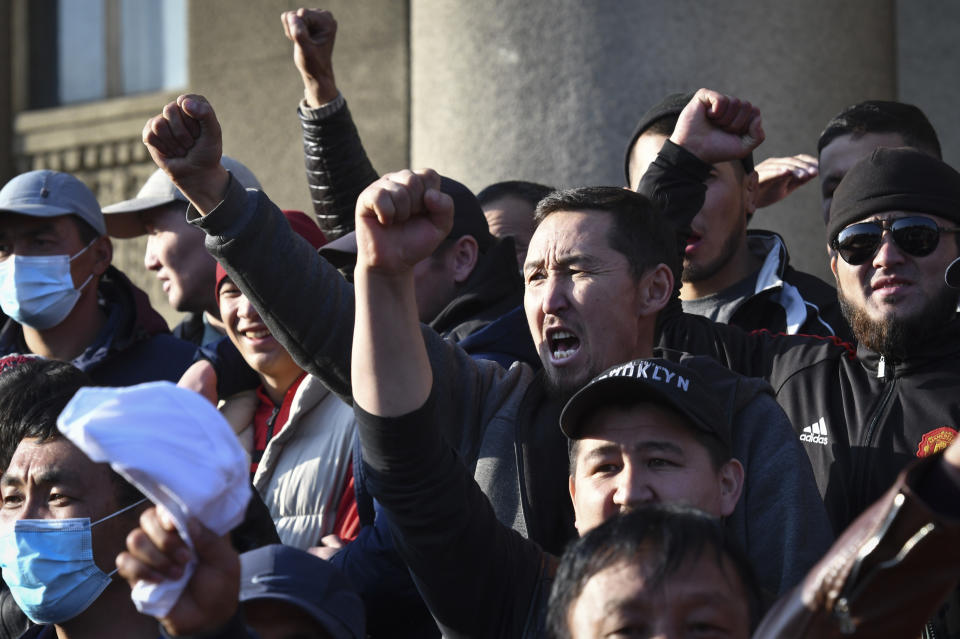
(649, 380)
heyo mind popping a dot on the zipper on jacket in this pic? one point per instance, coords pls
(881, 367)
(271, 423)
(860, 472)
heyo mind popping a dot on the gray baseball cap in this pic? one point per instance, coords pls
(123, 219)
(46, 193)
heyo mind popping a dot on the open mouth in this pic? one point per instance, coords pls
(693, 241)
(260, 333)
(890, 284)
(562, 344)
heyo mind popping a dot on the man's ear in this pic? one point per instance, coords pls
(833, 262)
(102, 249)
(572, 486)
(750, 189)
(731, 485)
(656, 289)
(464, 253)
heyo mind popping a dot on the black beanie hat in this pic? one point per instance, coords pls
(670, 106)
(900, 179)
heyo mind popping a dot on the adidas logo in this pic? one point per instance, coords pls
(815, 433)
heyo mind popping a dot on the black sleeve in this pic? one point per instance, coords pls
(337, 168)
(478, 577)
(675, 181)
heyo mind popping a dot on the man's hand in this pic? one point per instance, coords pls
(185, 141)
(201, 378)
(779, 177)
(401, 219)
(718, 128)
(329, 546)
(155, 552)
(313, 33)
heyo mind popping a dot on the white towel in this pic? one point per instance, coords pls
(177, 449)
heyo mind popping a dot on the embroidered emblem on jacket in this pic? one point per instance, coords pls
(935, 441)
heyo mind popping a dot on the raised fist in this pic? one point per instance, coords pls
(313, 33)
(185, 141)
(401, 219)
(718, 128)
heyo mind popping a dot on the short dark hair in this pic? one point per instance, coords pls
(640, 231)
(530, 192)
(32, 396)
(883, 116)
(717, 449)
(662, 538)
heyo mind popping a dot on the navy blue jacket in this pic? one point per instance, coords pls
(133, 347)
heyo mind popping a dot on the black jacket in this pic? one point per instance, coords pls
(337, 165)
(860, 418)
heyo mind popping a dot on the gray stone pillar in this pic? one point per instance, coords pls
(549, 91)
(928, 67)
(240, 59)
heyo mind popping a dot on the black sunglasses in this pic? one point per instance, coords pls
(917, 236)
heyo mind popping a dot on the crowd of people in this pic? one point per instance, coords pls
(593, 412)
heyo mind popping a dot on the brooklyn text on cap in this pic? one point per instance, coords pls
(648, 380)
(48, 193)
(122, 219)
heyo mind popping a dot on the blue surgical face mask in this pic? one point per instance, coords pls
(48, 565)
(37, 290)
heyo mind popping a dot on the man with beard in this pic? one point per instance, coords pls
(732, 275)
(863, 415)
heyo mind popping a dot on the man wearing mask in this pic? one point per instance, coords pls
(57, 503)
(64, 299)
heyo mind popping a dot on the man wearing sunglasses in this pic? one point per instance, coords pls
(891, 249)
(862, 415)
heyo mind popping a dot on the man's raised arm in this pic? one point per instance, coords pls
(401, 219)
(337, 165)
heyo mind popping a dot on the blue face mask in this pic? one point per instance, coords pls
(48, 565)
(37, 290)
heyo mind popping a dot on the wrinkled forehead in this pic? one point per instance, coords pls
(565, 233)
(51, 460)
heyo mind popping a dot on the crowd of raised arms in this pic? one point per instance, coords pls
(419, 412)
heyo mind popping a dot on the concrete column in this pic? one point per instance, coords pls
(240, 59)
(549, 91)
(928, 67)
